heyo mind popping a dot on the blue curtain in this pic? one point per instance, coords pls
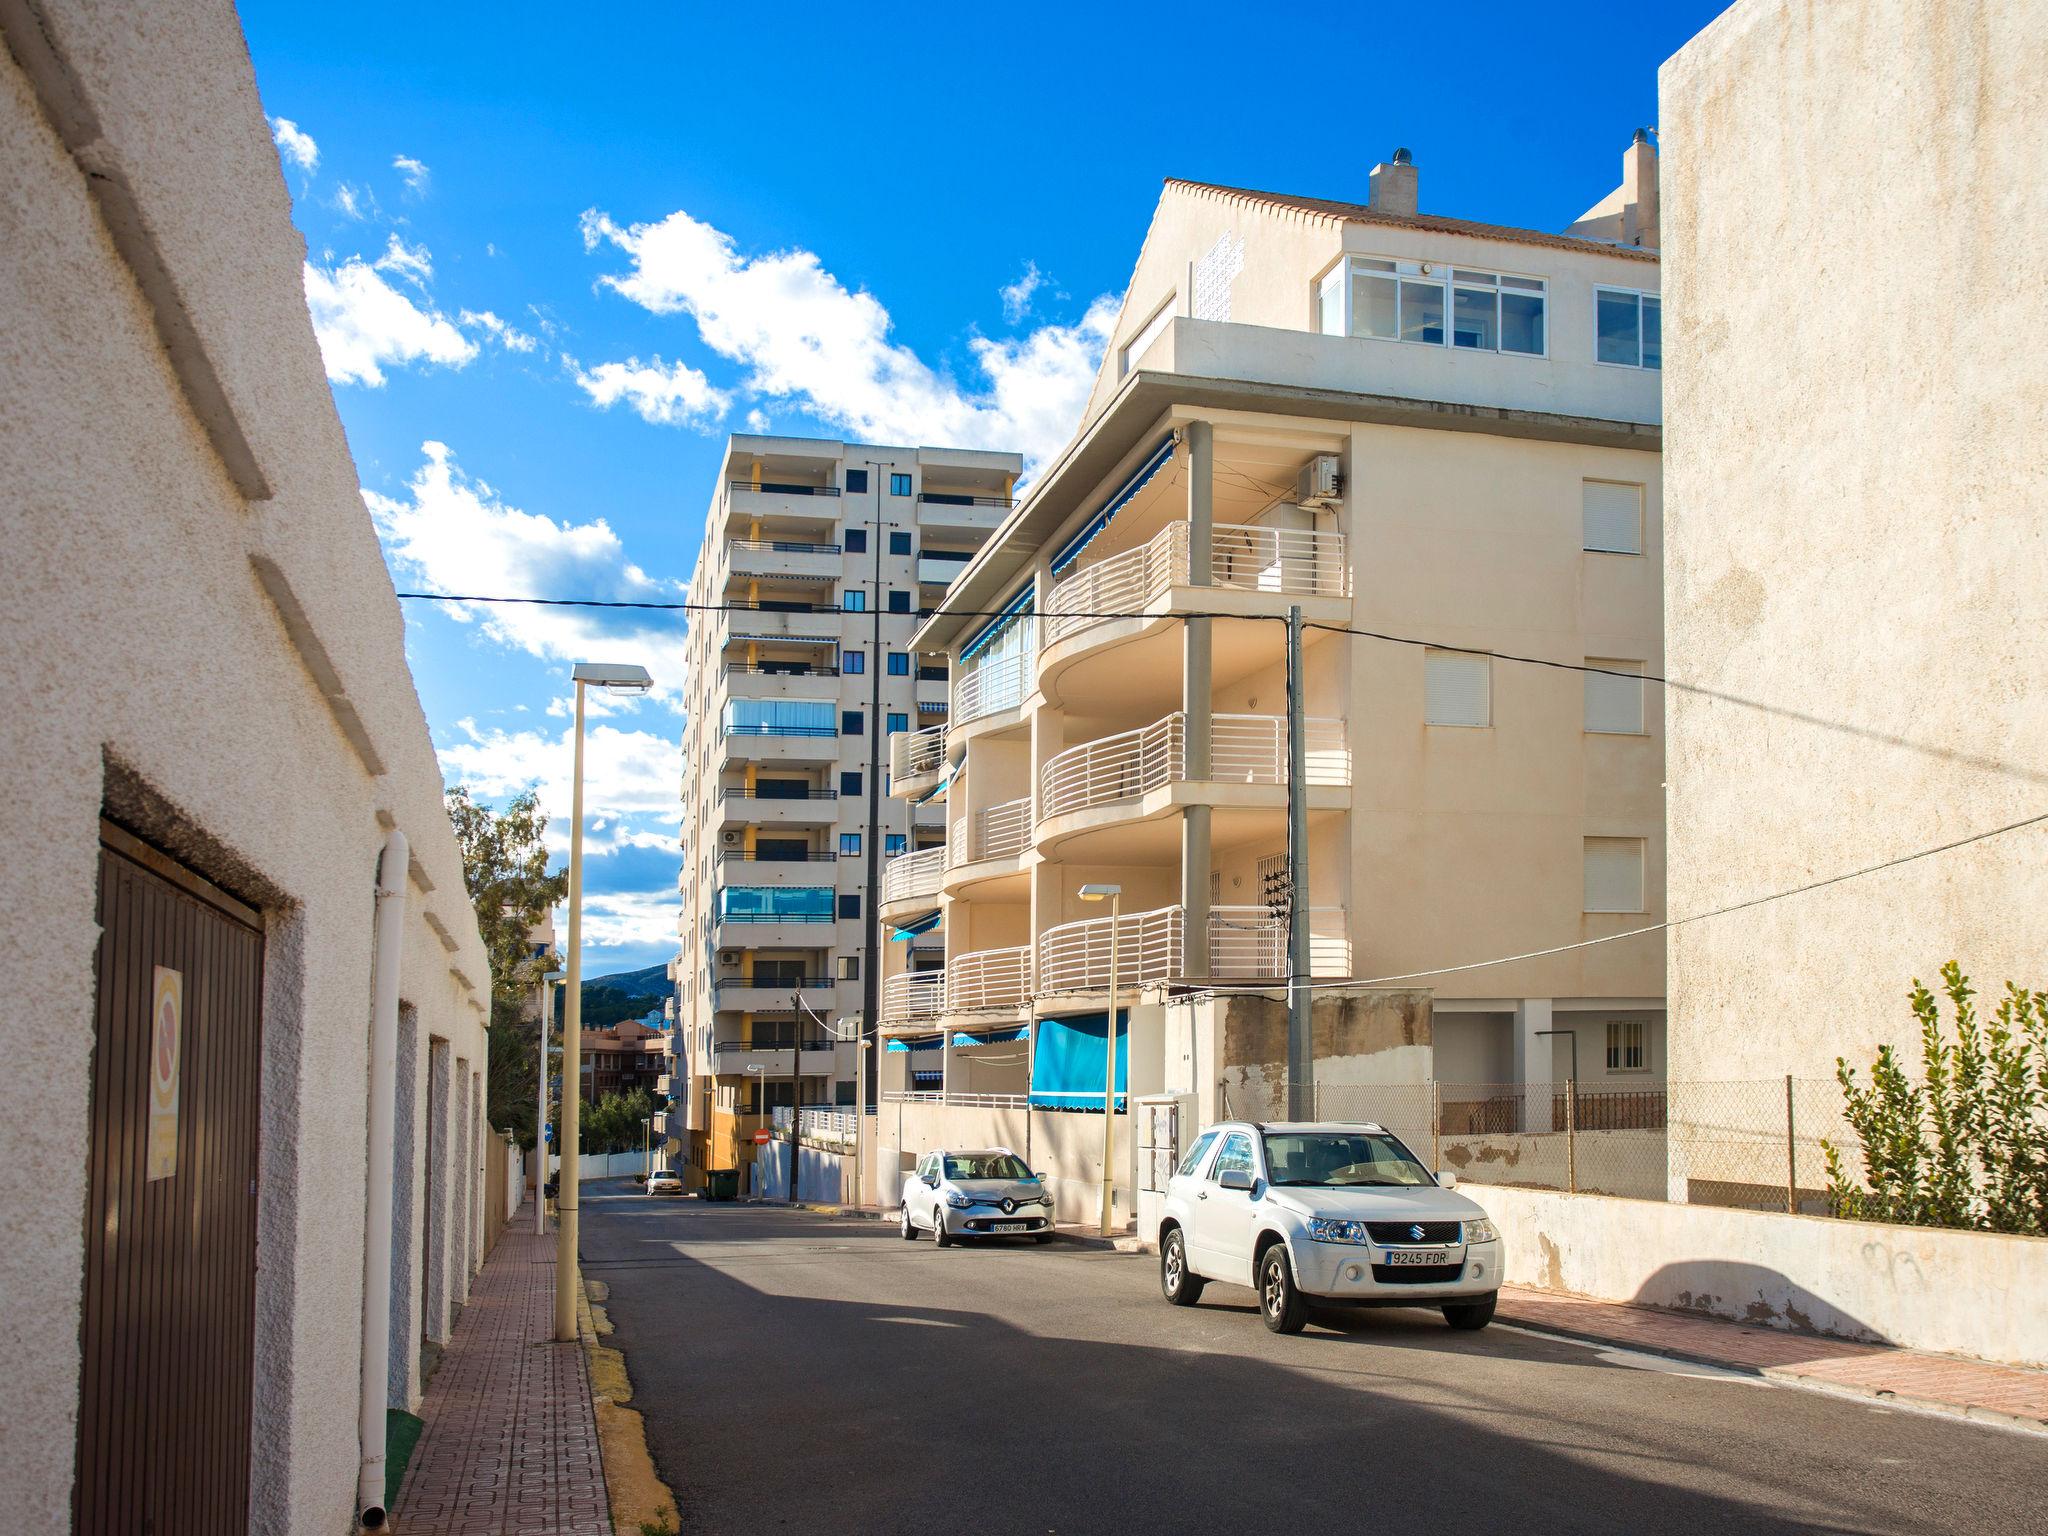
(781, 717)
(764, 902)
(1066, 1066)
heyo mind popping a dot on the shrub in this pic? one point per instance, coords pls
(1968, 1145)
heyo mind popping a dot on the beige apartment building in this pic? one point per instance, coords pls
(1439, 439)
(227, 850)
(819, 557)
(1859, 529)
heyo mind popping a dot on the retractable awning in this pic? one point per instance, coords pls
(1155, 461)
(923, 925)
(992, 1036)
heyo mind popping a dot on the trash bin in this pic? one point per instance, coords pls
(723, 1184)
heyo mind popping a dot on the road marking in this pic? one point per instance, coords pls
(922, 1322)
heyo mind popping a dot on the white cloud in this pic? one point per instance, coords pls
(807, 338)
(414, 262)
(629, 919)
(452, 534)
(757, 422)
(365, 324)
(669, 395)
(1017, 295)
(415, 173)
(630, 779)
(353, 203)
(295, 144)
(506, 335)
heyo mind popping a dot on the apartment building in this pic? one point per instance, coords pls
(1438, 439)
(624, 1058)
(820, 558)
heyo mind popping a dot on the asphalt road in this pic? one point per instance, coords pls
(803, 1372)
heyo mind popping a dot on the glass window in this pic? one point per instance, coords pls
(777, 717)
(1236, 1154)
(849, 842)
(852, 722)
(1330, 302)
(853, 662)
(1375, 305)
(899, 485)
(849, 783)
(1422, 310)
(1628, 328)
(849, 967)
(1197, 1152)
(1475, 317)
(842, 1092)
(1133, 350)
(856, 480)
(767, 903)
(1521, 322)
(1342, 1159)
(894, 843)
(853, 600)
(1653, 331)
(1625, 1046)
(899, 602)
(898, 722)
(986, 1165)
(849, 906)
(856, 539)
(899, 543)
(899, 663)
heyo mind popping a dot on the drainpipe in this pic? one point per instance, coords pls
(391, 873)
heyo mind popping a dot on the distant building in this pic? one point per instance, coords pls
(625, 1058)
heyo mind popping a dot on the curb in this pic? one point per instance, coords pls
(634, 1492)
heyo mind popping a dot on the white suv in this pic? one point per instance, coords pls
(1340, 1215)
(985, 1193)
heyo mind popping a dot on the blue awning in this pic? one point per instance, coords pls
(917, 1043)
(908, 931)
(1013, 610)
(1159, 458)
(1067, 1066)
(992, 1036)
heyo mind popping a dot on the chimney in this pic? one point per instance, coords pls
(1393, 186)
(1639, 192)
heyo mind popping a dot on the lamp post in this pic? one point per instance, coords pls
(540, 1126)
(1114, 895)
(646, 1149)
(617, 679)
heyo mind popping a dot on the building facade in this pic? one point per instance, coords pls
(818, 559)
(627, 1057)
(1440, 441)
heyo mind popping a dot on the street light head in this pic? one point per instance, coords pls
(619, 677)
(561, 975)
(1100, 892)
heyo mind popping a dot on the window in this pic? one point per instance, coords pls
(1148, 333)
(773, 903)
(1614, 874)
(849, 967)
(899, 485)
(849, 842)
(1614, 705)
(852, 722)
(899, 543)
(1628, 328)
(898, 722)
(856, 539)
(899, 602)
(1613, 519)
(1235, 1156)
(899, 663)
(894, 843)
(857, 480)
(1625, 1051)
(842, 1093)
(849, 906)
(776, 717)
(1457, 688)
(1197, 1152)
(849, 783)
(853, 662)
(853, 600)
(1413, 301)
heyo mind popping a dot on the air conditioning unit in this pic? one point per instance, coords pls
(728, 957)
(1319, 483)
(731, 839)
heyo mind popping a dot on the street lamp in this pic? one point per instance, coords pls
(647, 1148)
(614, 678)
(540, 1126)
(1113, 894)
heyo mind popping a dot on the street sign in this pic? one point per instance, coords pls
(761, 1138)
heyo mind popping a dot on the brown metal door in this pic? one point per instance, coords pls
(168, 1328)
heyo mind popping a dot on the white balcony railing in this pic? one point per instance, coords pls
(912, 876)
(993, 832)
(912, 753)
(913, 995)
(821, 1127)
(1075, 956)
(1243, 749)
(998, 679)
(1246, 557)
(989, 978)
(1252, 942)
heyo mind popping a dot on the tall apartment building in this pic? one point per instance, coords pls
(823, 555)
(1409, 425)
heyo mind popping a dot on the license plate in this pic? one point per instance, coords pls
(1399, 1256)
(1009, 1226)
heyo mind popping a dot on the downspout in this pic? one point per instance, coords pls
(390, 933)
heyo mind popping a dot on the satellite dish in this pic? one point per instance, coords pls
(672, 1147)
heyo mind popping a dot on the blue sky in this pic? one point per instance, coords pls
(554, 257)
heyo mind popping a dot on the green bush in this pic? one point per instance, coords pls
(1968, 1145)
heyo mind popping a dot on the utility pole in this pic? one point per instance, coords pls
(796, 1089)
(1300, 1044)
(871, 897)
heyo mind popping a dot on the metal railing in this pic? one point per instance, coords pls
(914, 995)
(993, 832)
(775, 984)
(774, 669)
(1074, 957)
(1245, 557)
(741, 792)
(912, 753)
(736, 856)
(812, 731)
(962, 499)
(909, 876)
(1251, 942)
(998, 679)
(780, 547)
(989, 978)
(772, 488)
(1243, 749)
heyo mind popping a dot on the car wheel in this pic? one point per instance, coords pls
(1041, 1237)
(909, 1230)
(940, 1236)
(1179, 1284)
(1280, 1304)
(1470, 1314)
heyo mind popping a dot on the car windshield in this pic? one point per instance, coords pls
(1337, 1159)
(985, 1165)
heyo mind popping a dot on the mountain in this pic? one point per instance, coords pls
(651, 982)
(621, 995)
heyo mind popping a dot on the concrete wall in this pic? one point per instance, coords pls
(197, 636)
(1065, 1148)
(1914, 1286)
(1856, 396)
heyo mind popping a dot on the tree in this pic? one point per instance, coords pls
(505, 867)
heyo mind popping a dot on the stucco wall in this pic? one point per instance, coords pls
(1855, 398)
(225, 673)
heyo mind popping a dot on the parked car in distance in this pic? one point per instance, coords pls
(983, 1193)
(1324, 1214)
(666, 1181)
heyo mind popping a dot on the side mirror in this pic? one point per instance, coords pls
(1446, 1179)
(931, 1181)
(1235, 1178)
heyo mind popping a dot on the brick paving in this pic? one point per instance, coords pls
(1970, 1387)
(510, 1447)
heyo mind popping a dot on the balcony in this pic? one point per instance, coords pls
(740, 806)
(914, 877)
(1243, 749)
(739, 868)
(787, 501)
(817, 622)
(989, 979)
(1250, 943)
(784, 559)
(913, 996)
(731, 1058)
(993, 832)
(779, 743)
(938, 571)
(774, 917)
(1074, 957)
(1243, 557)
(997, 681)
(915, 758)
(781, 680)
(961, 510)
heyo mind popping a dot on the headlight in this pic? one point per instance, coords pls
(1481, 1230)
(958, 1201)
(1323, 1230)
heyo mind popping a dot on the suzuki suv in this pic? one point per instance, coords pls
(1318, 1214)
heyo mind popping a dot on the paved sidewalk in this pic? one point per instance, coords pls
(510, 1446)
(1994, 1393)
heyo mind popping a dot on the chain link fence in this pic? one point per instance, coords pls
(1755, 1145)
